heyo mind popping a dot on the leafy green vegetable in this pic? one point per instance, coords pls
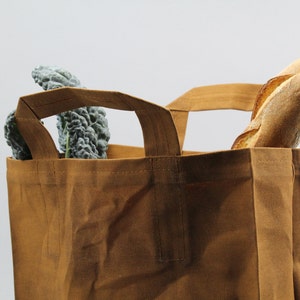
(14, 139)
(83, 132)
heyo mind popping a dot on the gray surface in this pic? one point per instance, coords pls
(155, 50)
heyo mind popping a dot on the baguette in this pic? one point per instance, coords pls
(275, 120)
(293, 68)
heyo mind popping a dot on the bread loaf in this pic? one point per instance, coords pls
(275, 120)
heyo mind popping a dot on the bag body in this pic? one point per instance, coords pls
(162, 225)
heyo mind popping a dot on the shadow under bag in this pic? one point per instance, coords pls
(154, 222)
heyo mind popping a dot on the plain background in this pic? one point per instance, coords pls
(153, 49)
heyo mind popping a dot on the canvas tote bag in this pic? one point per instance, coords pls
(154, 222)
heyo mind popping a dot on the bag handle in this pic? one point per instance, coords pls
(240, 96)
(159, 131)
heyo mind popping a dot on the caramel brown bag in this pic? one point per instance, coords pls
(154, 222)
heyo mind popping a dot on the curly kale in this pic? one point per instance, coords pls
(14, 139)
(53, 77)
(83, 132)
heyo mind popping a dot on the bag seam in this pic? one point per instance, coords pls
(255, 223)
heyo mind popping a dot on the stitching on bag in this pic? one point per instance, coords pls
(109, 171)
(52, 102)
(100, 171)
(59, 213)
(157, 233)
(274, 161)
(181, 210)
(294, 172)
(179, 225)
(90, 172)
(27, 119)
(120, 96)
(49, 248)
(255, 224)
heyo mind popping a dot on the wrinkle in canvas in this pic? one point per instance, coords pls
(105, 219)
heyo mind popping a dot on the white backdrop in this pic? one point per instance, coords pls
(152, 49)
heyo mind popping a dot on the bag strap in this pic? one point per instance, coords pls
(159, 131)
(240, 96)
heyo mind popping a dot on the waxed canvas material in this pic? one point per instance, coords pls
(220, 225)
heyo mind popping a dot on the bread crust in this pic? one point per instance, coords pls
(275, 120)
(292, 68)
